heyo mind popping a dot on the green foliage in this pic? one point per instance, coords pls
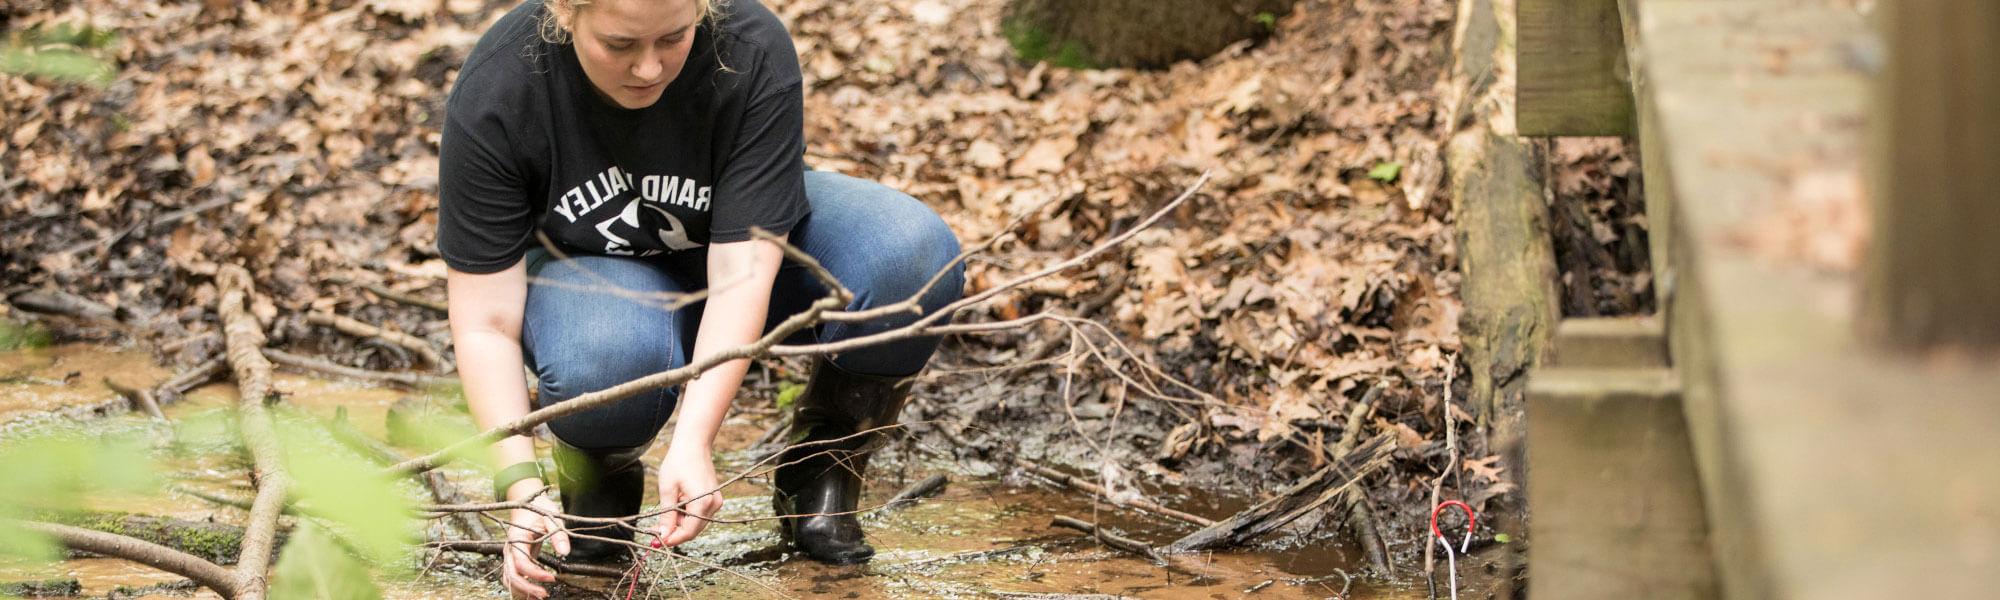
(1034, 44)
(435, 422)
(15, 336)
(207, 432)
(314, 565)
(788, 392)
(64, 53)
(1386, 172)
(346, 490)
(1268, 20)
(1503, 538)
(56, 469)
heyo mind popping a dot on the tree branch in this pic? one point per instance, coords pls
(245, 342)
(206, 573)
(357, 328)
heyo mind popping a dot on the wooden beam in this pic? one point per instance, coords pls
(1573, 78)
(1934, 265)
(1618, 506)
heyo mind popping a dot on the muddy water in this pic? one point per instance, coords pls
(981, 538)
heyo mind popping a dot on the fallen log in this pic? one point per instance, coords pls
(214, 542)
(206, 573)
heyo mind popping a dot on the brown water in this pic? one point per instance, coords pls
(980, 538)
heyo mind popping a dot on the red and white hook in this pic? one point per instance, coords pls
(1451, 556)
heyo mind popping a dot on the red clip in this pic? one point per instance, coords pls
(1471, 519)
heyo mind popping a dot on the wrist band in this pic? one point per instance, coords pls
(506, 478)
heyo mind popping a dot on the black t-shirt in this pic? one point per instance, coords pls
(528, 145)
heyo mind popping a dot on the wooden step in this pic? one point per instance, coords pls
(1610, 342)
(1615, 500)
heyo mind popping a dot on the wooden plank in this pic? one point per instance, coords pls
(1932, 275)
(1831, 469)
(1612, 483)
(1610, 342)
(1572, 69)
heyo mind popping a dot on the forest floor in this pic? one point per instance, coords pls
(299, 139)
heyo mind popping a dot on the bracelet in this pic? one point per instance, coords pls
(506, 478)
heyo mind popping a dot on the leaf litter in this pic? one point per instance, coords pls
(299, 139)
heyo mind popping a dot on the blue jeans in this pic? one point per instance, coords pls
(581, 336)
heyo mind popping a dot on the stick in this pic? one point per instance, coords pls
(357, 328)
(245, 342)
(142, 400)
(63, 303)
(206, 573)
(177, 345)
(388, 294)
(1109, 539)
(307, 363)
(1359, 513)
(930, 486)
(1292, 503)
(171, 390)
(440, 488)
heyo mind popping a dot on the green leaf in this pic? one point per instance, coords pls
(57, 63)
(57, 469)
(1386, 172)
(346, 490)
(788, 391)
(1503, 538)
(314, 566)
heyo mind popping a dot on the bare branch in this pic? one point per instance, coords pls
(245, 342)
(307, 363)
(354, 327)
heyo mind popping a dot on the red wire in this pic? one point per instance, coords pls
(1471, 518)
(639, 568)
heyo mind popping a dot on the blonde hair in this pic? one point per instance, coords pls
(564, 11)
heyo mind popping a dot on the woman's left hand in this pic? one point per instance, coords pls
(687, 475)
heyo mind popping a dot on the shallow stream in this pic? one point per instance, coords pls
(981, 538)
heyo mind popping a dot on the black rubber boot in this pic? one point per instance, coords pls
(824, 480)
(599, 483)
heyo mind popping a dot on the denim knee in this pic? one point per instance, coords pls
(912, 248)
(596, 366)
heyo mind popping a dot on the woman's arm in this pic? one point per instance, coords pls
(740, 276)
(485, 314)
(486, 329)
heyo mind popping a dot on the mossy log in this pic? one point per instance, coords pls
(214, 542)
(1134, 33)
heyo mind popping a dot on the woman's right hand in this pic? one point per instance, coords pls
(526, 531)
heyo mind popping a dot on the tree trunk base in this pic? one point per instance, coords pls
(1086, 34)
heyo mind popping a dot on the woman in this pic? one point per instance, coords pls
(646, 139)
